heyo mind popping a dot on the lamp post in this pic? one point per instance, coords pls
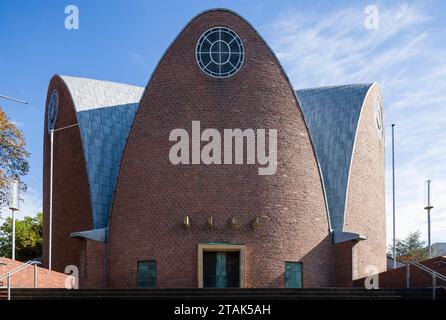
(428, 207)
(393, 193)
(50, 233)
(14, 186)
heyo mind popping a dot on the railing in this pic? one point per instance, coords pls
(10, 273)
(433, 273)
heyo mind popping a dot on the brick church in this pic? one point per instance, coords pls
(128, 217)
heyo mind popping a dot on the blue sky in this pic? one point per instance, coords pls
(318, 42)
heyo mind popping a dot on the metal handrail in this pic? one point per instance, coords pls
(433, 273)
(10, 273)
(16, 269)
(427, 269)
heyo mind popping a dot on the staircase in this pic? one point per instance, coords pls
(225, 294)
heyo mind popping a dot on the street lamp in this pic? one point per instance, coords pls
(13, 99)
(50, 237)
(428, 208)
(14, 186)
(393, 198)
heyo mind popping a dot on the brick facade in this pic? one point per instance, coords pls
(25, 277)
(92, 264)
(396, 278)
(153, 196)
(71, 197)
(344, 254)
(365, 205)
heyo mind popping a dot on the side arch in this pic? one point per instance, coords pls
(365, 202)
(71, 193)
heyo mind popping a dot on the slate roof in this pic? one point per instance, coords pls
(105, 112)
(332, 116)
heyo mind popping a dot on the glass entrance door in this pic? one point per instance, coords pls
(221, 269)
(220, 272)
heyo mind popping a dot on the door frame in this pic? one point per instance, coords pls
(202, 247)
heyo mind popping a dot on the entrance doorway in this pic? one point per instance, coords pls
(221, 269)
(221, 265)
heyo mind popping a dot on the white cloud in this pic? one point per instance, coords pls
(405, 56)
(18, 124)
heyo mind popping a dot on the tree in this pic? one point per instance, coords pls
(13, 155)
(410, 248)
(28, 238)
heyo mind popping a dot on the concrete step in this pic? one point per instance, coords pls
(229, 294)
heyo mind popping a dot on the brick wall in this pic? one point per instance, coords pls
(396, 278)
(344, 255)
(25, 277)
(153, 196)
(365, 204)
(92, 264)
(71, 198)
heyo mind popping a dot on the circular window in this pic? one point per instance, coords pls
(378, 115)
(53, 110)
(219, 52)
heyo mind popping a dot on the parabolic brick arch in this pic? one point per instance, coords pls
(139, 220)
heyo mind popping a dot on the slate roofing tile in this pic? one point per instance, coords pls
(105, 112)
(332, 115)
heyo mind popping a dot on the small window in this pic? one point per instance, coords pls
(146, 274)
(293, 274)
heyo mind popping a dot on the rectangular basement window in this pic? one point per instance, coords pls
(146, 274)
(293, 274)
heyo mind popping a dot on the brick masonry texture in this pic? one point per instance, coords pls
(365, 204)
(92, 264)
(153, 196)
(25, 277)
(71, 197)
(396, 278)
(343, 263)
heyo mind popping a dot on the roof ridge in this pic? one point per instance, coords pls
(64, 76)
(368, 84)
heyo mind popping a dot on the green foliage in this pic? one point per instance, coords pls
(410, 248)
(13, 155)
(28, 234)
